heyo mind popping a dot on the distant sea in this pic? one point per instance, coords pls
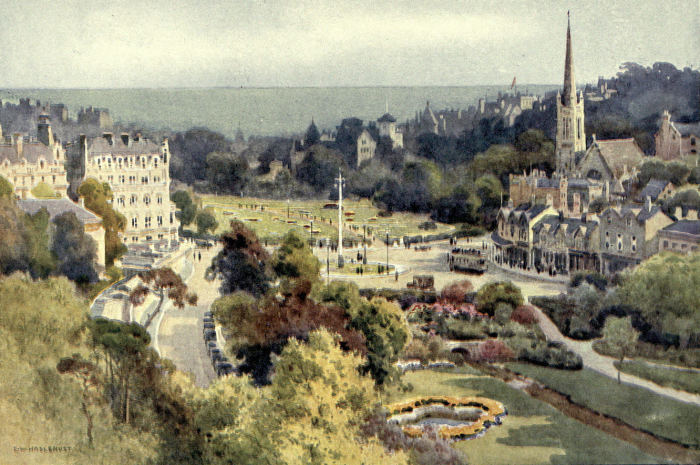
(263, 111)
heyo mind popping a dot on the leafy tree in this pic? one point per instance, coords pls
(386, 331)
(40, 259)
(318, 391)
(320, 167)
(127, 351)
(619, 335)
(490, 295)
(382, 324)
(206, 221)
(98, 198)
(187, 208)
(665, 289)
(74, 250)
(226, 173)
(44, 191)
(598, 205)
(7, 191)
(24, 242)
(159, 281)
(190, 150)
(85, 372)
(242, 262)
(312, 136)
(294, 259)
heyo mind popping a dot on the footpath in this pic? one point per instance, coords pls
(605, 365)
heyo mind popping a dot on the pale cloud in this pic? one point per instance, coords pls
(307, 43)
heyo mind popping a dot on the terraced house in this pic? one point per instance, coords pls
(629, 235)
(566, 245)
(137, 169)
(512, 239)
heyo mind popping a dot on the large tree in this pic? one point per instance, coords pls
(243, 263)
(187, 208)
(98, 199)
(74, 250)
(163, 282)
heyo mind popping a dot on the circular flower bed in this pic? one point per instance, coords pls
(455, 417)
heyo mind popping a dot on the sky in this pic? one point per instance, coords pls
(285, 43)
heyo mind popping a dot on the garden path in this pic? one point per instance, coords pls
(605, 365)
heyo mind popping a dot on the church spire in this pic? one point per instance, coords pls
(568, 97)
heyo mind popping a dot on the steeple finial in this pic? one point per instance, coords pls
(568, 96)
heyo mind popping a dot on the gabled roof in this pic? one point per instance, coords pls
(386, 118)
(653, 189)
(56, 207)
(688, 129)
(32, 151)
(685, 226)
(618, 154)
(100, 145)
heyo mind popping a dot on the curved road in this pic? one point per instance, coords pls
(179, 335)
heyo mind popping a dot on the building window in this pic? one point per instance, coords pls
(634, 243)
(143, 162)
(53, 179)
(619, 242)
(159, 199)
(673, 245)
(144, 179)
(120, 201)
(134, 239)
(134, 222)
(133, 200)
(160, 236)
(146, 199)
(171, 217)
(155, 162)
(692, 141)
(160, 221)
(147, 222)
(665, 244)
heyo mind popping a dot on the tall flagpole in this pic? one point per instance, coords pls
(339, 181)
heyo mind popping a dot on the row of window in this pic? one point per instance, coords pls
(134, 200)
(129, 162)
(619, 242)
(679, 246)
(148, 238)
(132, 179)
(147, 221)
(43, 179)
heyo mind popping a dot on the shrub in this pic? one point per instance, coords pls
(553, 355)
(524, 314)
(503, 312)
(491, 294)
(493, 351)
(427, 226)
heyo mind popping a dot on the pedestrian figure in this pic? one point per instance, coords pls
(200, 256)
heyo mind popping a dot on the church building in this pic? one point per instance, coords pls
(571, 135)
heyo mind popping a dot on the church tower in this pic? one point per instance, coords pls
(571, 136)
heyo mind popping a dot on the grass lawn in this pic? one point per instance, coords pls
(676, 379)
(533, 432)
(302, 211)
(640, 408)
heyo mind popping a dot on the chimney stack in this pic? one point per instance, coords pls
(17, 141)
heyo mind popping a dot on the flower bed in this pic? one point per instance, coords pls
(452, 410)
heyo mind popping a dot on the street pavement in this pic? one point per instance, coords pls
(179, 334)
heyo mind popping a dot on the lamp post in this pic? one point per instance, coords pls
(311, 234)
(328, 262)
(364, 244)
(387, 251)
